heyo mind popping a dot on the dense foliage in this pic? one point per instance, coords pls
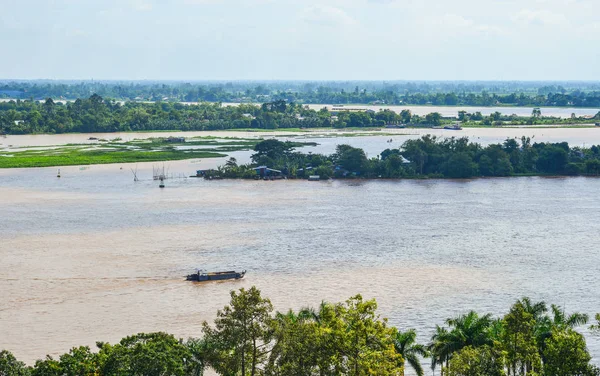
(349, 338)
(96, 114)
(427, 156)
(578, 94)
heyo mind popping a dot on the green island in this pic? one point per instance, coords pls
(426, 157)
(437, 93)
(349, 338)
(96, 114)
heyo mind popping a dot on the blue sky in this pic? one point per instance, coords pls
(301, 39)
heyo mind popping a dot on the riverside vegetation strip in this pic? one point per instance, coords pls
(96, 114)
(426, 157)
(349, 338)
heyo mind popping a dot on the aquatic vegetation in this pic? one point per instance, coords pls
(138, 150)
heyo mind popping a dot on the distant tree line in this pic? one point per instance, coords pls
(580, 94)
(96, 114)
(427, 156)
(248, 339)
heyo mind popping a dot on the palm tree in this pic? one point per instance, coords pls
(405, 344)
(200, 350)
(281, 323)
(293, 332)
(442, 345)
(465, 330)
(535, 309)
(561, 320)
(316, 315)
(597, 326)
(471, 329)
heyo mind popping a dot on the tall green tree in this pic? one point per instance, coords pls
(145, 354)
(477, 361)
(566, 354)
(296, 346)
(366, 341)
(79, 361)
(241, 334)
(519, 342)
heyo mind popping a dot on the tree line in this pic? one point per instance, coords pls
(350, 92)
(350, 338)
(96, 114)
(428, 156)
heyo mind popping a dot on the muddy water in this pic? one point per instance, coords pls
(94, 256)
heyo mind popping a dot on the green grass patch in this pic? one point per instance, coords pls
(70, 158)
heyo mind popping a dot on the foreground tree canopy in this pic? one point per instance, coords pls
(349, 338)
(427, 156)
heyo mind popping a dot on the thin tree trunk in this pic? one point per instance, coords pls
(243, 361)
(253, 356)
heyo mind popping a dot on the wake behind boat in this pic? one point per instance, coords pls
(201, 276)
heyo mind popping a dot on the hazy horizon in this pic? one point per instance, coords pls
(301, 40)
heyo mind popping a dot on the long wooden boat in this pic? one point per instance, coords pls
(201, 276)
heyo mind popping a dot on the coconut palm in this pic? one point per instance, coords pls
(465, 330)
(443, 344)
(561, 320)
(471, 329)
(535, 309)
(200, 350)
(405, 344)
(596, 327)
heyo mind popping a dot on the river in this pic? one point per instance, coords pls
(96, 256)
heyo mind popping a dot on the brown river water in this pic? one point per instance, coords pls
(96, 256)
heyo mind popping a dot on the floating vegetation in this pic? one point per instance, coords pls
(116, 151)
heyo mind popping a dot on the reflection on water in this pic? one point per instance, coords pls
(95, 256)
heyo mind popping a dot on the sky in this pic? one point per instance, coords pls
(300, 39)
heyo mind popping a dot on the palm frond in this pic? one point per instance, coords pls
(415, 364)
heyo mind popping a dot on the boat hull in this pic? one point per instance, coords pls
(220, 276)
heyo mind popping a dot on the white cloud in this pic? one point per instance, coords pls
(539, 17)
(327, 16)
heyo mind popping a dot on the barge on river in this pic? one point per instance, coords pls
(201, 276)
